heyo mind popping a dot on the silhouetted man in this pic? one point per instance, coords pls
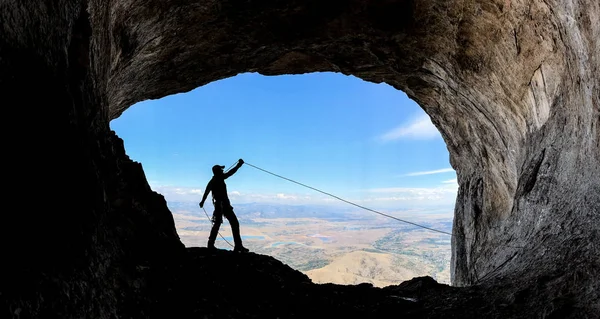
(222, 206)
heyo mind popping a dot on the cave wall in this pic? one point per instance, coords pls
(512, 86)
(80, 219)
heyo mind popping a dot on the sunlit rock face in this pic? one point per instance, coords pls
(513, 87)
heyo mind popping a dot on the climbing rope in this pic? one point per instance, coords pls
(363, 207)
(213, 223)
(351, 203)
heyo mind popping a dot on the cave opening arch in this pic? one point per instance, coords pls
(365, 142)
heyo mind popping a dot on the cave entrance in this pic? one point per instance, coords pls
(367, 143)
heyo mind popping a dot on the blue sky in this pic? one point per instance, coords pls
(365, 142)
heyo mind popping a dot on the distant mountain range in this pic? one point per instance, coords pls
(331, 213)
(262, 210)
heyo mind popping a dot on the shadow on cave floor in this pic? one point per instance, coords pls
(224, 284)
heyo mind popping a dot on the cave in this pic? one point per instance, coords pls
(512, 86)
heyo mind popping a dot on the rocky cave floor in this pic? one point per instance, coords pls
(223, 284)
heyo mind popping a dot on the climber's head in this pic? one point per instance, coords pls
(218, 170)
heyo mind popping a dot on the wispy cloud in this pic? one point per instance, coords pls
(437, 171)
(177, 193)
(420, 128)
(411, 190)
(271, 198)
(444, 194)
(450, 181)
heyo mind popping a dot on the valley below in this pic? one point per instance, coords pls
(333, 245)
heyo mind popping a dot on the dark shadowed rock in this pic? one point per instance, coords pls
(512, 85)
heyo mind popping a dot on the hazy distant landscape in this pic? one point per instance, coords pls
(337, 245)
